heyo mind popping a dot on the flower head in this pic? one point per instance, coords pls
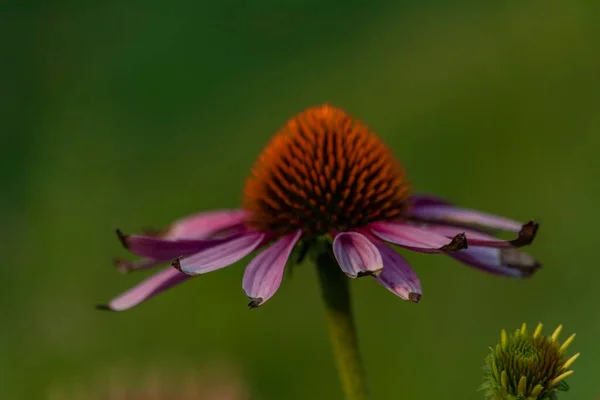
(324, 171)
(326, 174)
(528, 366)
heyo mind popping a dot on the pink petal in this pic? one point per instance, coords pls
(475, 238)
(146, 289)
(357, 255)
(499, 261)
(204, 224)
(264, 274)
(397, 276)
(165, 250)
(220, 255)
(463, 217)
(417, 238)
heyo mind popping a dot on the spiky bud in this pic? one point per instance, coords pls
(527, 366)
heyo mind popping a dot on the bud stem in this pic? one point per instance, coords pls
(342, 330)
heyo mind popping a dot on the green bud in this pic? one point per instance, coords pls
(527, 366)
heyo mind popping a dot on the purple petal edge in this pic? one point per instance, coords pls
(220, 255)
(201, 225)
(463, 217)
(146, 289)
(398, 277)
(165, 250)
(356, 255)
(475, 238)
(509, 262)
(417, 238)
(264, 274)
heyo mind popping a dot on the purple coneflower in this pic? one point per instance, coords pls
(325, 173)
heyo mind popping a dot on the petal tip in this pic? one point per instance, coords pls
(520, 261)
(255, 302)
(526, 234)
(458, 242)
(177, 265)
(375, 273)
(528, 272)
(122, 238)
(414, 297)
(351, 275)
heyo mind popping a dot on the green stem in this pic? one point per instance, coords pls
(338, 310)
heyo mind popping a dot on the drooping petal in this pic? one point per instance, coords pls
(203, 224)
(417, 238)
(264, 273)
(220, 255)
(197, 226)
(509, 262)
(161, 249)
(357, 255)
(475, 238)
(148, 288)
(397, 276)
(463, 217)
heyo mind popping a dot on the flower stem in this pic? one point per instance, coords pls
(338, 310)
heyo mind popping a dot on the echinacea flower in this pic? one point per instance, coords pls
(528, 366)
(326, 174)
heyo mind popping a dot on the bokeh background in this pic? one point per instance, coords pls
(132, 114)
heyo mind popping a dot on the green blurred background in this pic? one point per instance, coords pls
(131, 115)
